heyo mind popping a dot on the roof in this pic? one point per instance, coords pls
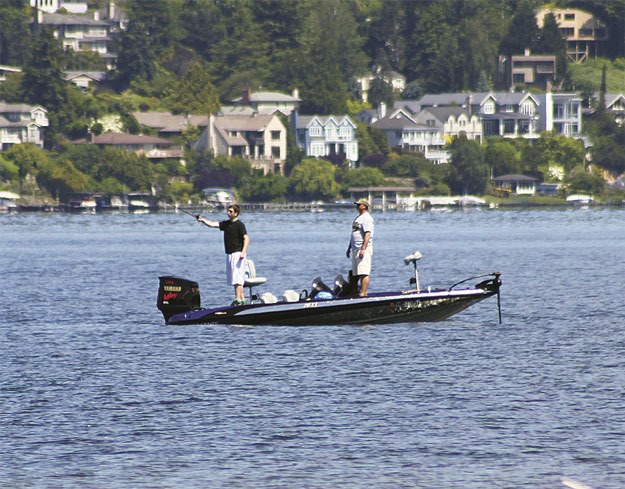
(303, 121)
(24, 108)
(444, 113)
(515, 178)
(120, 139)
(267, 97)
(243, 122)
(167, 122)
(94, 75)
(61, 19)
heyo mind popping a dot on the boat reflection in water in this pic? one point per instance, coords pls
(179, 301)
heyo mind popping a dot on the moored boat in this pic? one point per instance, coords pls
(179, 302)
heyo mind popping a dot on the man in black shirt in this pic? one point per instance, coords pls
(236, 242)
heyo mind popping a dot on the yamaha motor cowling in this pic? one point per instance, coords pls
(177, 295)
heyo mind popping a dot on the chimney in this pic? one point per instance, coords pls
(296, 93)
(111, 10)
(382, 110)
(527, 52)
(246, 96)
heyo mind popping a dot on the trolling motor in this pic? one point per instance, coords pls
(414, 258)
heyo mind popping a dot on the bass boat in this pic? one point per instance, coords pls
(179, 301)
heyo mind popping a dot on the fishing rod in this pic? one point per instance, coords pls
(189, 213)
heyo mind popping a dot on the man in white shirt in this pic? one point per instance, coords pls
(361, 245)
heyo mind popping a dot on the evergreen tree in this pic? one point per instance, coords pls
(550, 41)
(13, 26)
(522, 29)
(195, 93)
(331, 56)
(151, 30)
(43, 81)
(203, 26)
(241, 59)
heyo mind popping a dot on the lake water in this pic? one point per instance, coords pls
(97, 392)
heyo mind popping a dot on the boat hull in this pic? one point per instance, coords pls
(411, 306)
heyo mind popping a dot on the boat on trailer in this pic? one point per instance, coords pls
(179, 302)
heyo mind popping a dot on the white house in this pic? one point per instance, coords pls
(516, 184)
(561, 112)
(261, 139)
(326, 135)
(22, 123)
(269, 102)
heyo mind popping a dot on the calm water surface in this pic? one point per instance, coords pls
(97, 392)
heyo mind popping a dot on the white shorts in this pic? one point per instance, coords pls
(235, 269)
(362, 266)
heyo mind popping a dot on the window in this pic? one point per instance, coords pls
(317, 149)
(275, 135)
(558, 110)
(569, 16)
(315, 131)
(489, 108)
(275, 151)
(331, 132)
(509, 126)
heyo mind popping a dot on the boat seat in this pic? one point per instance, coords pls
(251, 280)
(345, 288)
(290, 296)
(320, 290)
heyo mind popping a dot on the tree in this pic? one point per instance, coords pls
(14, 20)
(381, 91)
(331, 55)
(63, 178)
(363, 177)
(265, 188)
(522, 30)
(27, 157)
(195, 93)
(468, 172)
(150, 31)
(43, 81)
(241, 59)
(502, 157)
(314, 180)
(550, 41)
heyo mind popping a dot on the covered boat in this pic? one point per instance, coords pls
(179, 302)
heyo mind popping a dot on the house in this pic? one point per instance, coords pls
(153, 148)
(503, 114)
(429, 130)
(397, 81)
(51, 6)
(84, 79)
(269, 102)
(80, 33)
(614, 104)
(169, 125)
(261, 139)
(586, 36)
(526, 69)
(22, 123)
(426, 136)
(516, 184)
(6, 70)
(561, 113)
(326, 136)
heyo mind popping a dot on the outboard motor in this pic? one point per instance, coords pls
(176, 295)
